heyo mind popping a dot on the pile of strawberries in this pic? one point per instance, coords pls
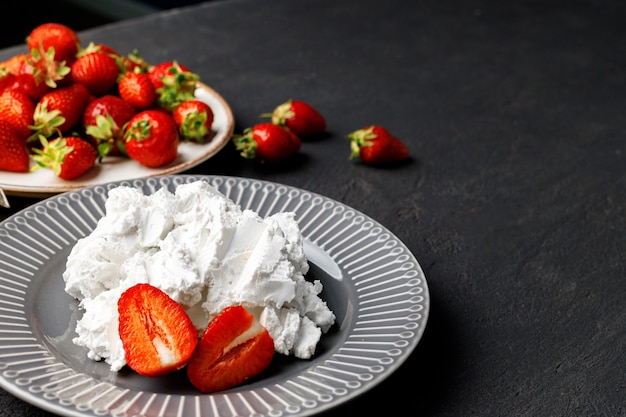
(66, 106)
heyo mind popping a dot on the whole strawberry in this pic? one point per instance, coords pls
(14, 156)
(59, 110)
(151, 138)
(14, 64)
(299, 116)
(63, 39)
(69, 157)
(267, 142)
(103, 121)
(375, 145)
(97, 71)
(16, 109)
(173, 82)
(137, 90)
(26, 84)
(194, 119)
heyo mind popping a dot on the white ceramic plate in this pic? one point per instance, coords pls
(371, 281)
(44, 183)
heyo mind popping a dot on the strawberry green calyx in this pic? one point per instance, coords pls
(194, 127)
(45, 123)
(139, 131)
(178, 86)
(45, 68)
(360, 138)
(140, 64)
(246, 144)
(281, 113)
(51, 155)
(103, 133)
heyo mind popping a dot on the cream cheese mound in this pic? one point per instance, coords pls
(206, 253)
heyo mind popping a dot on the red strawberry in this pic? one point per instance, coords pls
(151, 138)
(45, 69)
(137, 89)
(16, 109)
(194, 119)
(97, 71)
(374, 144)
(157, 334)
(13, 154)
(233, 348)
(60, 110)
(300, 117)
(168, 69)
(26, 84)
(267, 142)
(174, 83)
(133, 62)
(69, 157)
(104, 119)
(62, 38)
(14, 64)
(97, 47)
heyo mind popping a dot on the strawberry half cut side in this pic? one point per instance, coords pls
(157, 334)
(233, 348)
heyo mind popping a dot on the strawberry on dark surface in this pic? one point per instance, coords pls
(299, 116)
(267, 142)
(157, 334)
(234, 348)
(151, 138)
(375, 145)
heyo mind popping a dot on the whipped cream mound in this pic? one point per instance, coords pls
(206, 253)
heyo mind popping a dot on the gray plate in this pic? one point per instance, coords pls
(372, 282)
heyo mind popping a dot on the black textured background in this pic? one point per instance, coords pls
(514, 201)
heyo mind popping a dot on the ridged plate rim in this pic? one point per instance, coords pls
(386, 293)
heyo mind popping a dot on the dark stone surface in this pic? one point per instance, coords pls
(514, 200)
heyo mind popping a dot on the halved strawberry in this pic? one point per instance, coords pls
(233, 348)
(157, 334)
